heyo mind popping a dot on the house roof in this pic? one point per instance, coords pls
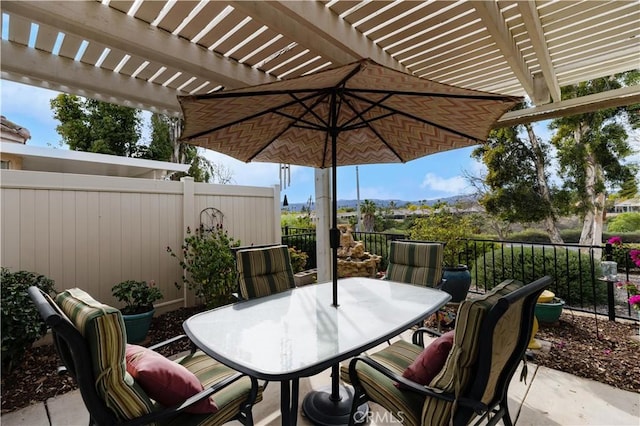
(66, 161)
(144, 53)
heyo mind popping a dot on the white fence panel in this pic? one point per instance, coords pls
(95, 231)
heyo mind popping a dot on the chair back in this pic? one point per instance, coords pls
(90, 339)
(491, 336)
(264, 271)
(415, 262)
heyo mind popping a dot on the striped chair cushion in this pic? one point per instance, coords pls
(379, 388)
(264, 271)
(229, 400)
(456, 374)
(103, 328)
(415, 263)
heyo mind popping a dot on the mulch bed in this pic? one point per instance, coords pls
(609, 356)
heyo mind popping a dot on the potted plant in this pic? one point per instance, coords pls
(443, 225)
(209, 265)
(138, 297)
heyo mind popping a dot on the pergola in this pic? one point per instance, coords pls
(144, 53)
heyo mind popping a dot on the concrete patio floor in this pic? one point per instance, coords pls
(549, 397)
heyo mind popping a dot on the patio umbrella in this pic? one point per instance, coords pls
(360, 113)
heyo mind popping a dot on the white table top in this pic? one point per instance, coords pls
(298, 333)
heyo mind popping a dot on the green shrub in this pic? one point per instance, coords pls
(209, 266)
(570, 270)
(530, 236)
(624, 222)
(298, 259)
(21, 322)
(444, 226)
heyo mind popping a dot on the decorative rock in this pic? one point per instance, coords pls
(353, 261)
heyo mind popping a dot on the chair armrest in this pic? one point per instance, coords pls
(409, 385)
(171, 411)
(418, 335)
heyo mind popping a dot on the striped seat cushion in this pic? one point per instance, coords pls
(264, 271)
(229, 400)
(103, 328)
(407, 406)
(456, 374)
(415, 263)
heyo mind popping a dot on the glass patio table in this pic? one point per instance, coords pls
(298, 333)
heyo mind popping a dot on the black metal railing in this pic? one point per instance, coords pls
(576, 269)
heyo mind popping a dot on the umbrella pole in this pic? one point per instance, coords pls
(334, 232)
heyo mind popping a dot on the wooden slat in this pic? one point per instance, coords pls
(177, 14)
(112, 60)
(149, 10)
(46, 38)
(202, 19)
(70, 46)
(92, 53)
(19, 29)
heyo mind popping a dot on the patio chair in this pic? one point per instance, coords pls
(415, 262)
(90, 339)
(486, 346)
(264, 270)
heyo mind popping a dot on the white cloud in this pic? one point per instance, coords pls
(453, 185)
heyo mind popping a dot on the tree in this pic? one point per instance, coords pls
(165, 146)
(591, 151)
(516, 187)
(628, 188)
(368, 210)
(96, 126)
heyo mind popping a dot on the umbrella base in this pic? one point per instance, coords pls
(321, 409)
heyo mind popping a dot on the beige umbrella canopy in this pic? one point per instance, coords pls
(380, 115)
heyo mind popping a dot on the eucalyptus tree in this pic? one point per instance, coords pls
(516, 187)
(592, 149)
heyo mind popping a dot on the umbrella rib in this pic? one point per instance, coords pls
(414, 117)
(490, 97)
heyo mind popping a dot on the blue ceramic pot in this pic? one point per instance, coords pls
(457, 282)
(137, 326)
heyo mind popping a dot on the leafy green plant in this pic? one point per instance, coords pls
(21, 322)
(624, 222)
(298, 259)
(137, 295)
(444, 226)
(209, 265)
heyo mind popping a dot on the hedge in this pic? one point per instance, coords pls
(571, 272)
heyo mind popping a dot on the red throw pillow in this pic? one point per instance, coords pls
(166, 381)
(429, 363)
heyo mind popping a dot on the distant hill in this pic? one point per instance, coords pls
(294, 207)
